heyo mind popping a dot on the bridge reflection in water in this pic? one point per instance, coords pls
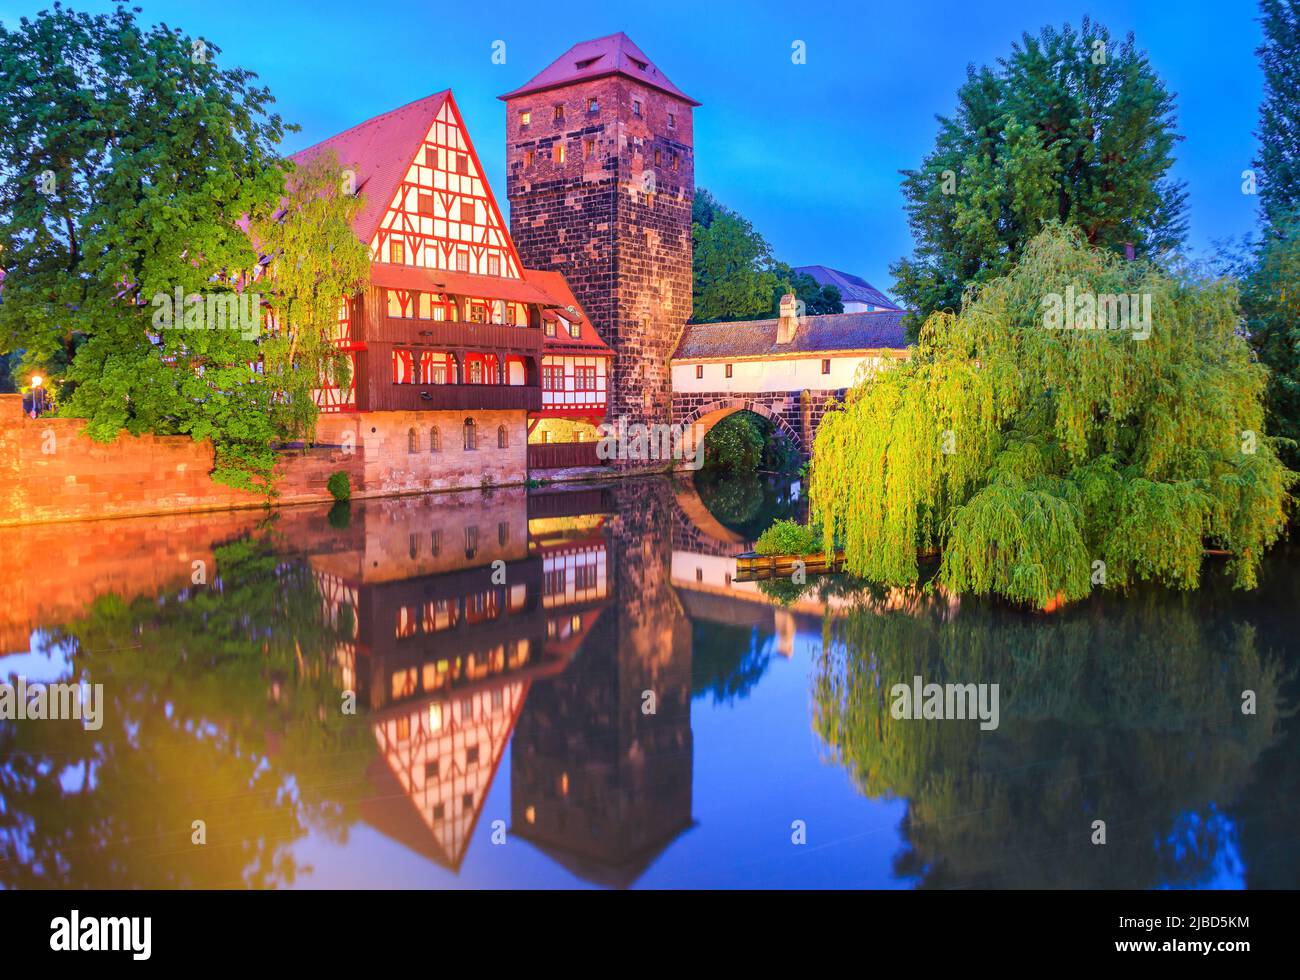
(563, 634)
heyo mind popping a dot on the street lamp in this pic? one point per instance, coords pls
(36, 394)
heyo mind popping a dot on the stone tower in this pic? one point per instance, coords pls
(601, 176)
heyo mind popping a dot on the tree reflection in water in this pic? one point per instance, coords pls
(214, 709)
(1124, 711)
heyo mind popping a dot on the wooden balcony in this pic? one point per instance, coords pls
(392, 397)
(562, 455)
(455, 335)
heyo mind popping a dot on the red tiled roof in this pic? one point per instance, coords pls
(882, 329)
(380, 150)
(588, 340)
(612, 55)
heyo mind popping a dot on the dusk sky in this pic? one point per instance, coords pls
(810, 153)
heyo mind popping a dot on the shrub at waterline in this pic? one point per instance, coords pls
(339, 486)
(1045, 455)
(787, 537)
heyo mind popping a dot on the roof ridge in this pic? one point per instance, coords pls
(371, 121)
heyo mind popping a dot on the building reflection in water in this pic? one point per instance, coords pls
(549, 617)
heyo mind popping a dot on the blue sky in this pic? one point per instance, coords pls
(810, 153)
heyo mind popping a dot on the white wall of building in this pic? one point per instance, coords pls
(784, 374)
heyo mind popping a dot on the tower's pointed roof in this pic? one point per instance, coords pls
(612, 55)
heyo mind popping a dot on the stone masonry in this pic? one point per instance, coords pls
(613, 214)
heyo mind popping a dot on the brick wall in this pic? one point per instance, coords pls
(51, 471)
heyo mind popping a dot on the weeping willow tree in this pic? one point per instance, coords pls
(1046, 445)
(315, 261)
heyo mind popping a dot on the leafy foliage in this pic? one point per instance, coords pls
(736, 443)
(131, 164)
(1049, 133)
(339, 485)
(1279, 115)
(1271, 302)
(735, 274)
(315, 260)
(1027, 454)
(789, 537)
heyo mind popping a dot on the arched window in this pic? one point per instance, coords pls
(503, 437)
(412, 441)
(435, 440)
(471, 435)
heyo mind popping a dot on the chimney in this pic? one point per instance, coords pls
(789, 322)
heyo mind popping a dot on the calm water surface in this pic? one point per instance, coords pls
(565, 688)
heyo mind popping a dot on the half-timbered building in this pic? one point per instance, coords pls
(449, 342)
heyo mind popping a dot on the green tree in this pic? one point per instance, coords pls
(1279, 115)
(1271, 303)
(1271, 275)
(733, 276)
(1073, 127)
(315, 260)
(132, 165)
(1029, 455)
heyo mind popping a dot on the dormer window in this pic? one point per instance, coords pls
(575, 330)
(586, 63)
(640, 64)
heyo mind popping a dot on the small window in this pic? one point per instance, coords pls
(413, 548)
(431, 156)
(412, 441)
(494, 265)
(575, 329)
(431, 769)
(471, 438)
(467, 212)
(728, 370)
(548, 328)
(826, 365)
(462, 260)
(503, 437)
(676, 161)
(424, 205)
(503, 532)
(396, 252)
(636, 107)
(462, 163)
(659, 157)
(557, 153)
(471, 542)
(559, 113)
(672, 121)
(699, 370)
(528, 158)
(525, 117)
(593, 105)
(588, 149)
(435, 543)
(435, 440)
